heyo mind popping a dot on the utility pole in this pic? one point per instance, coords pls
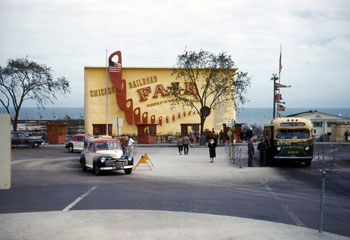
(274, 79)
(106, 97)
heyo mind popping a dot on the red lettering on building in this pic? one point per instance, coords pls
(144, 93)
(190, 89)
(160, 89)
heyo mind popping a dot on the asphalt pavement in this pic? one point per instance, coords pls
(72, 223)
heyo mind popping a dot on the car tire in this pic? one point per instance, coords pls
(97, 169)
(307, 163)
(128, 171)
(83, 166)
(35, 145)
(70, 148)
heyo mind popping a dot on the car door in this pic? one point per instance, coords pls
(89, 155)
(22, 139)
(79, 144)
(14, 139)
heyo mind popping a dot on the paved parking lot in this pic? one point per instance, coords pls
(182, 195)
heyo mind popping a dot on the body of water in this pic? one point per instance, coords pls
(249, 116)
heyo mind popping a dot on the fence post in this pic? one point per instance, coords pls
(240, 158)
(322, 198)
(322, 152)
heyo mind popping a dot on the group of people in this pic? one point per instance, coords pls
(183, 143)
(265, 150)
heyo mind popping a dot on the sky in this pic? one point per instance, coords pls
(67, 35)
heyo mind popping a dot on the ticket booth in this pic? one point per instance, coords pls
(56, 133)
(146, 133)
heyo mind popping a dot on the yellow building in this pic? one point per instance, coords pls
(137, 95)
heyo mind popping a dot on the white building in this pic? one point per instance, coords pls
(322, 122)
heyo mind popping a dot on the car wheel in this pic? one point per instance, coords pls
(71, 149)
(35, 145)
(307, 163)
(97, 170)
(83, 166)
(128, 171)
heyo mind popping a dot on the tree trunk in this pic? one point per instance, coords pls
(202, 135)
(15, 120)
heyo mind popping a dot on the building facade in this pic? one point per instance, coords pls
(322, 122)
(137, 96)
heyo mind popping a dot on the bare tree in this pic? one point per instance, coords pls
(210, 81)
(23, 80)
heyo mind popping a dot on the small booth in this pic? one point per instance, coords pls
(100, 129)
(146, 133)
(56, 133)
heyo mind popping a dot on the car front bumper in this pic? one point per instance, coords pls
(111, 165)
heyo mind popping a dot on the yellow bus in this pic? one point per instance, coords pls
(291, 139)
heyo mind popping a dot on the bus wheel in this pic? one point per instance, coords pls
(307, 163)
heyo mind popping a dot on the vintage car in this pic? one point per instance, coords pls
(77, 142)
(20, 139)
(105, 154)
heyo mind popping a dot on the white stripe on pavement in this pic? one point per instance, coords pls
(285, 207)
(66, 209)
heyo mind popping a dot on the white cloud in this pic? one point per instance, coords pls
(68, 35)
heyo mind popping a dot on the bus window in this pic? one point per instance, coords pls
(293, 134)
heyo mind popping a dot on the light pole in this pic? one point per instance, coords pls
(274, 79)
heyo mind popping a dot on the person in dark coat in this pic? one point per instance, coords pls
(263, 150)
(269, 152)
(250, 152)
(212, 149)
(249, 134)
(221, 136)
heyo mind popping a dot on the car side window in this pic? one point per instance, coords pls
(91, 148)
(21, 135)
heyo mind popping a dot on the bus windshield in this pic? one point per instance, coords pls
(293, 134)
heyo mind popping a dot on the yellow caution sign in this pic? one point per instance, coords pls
(147, 158)
(143, 160)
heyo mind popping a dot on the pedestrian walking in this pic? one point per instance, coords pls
(186, 144)
(180, 144)
(212, 149)
(269, 153)
(263, 150)
(250, 152)
(124, 142)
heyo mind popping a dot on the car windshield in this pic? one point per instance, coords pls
(293, 134)
(107, 146)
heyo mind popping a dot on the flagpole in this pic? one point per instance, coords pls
(279, 82)
(106, 97)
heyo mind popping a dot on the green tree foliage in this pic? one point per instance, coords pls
(23, 80)
(213, 79)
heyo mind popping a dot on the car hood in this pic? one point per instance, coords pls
(111, 153)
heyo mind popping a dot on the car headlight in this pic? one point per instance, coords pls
(307, 148)
(129, 158)
(102, 159)
(278, 148)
